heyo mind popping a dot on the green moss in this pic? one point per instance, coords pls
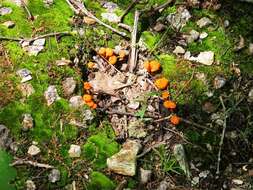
(7, 173)
(98, 148)
(150, 39)
(168, 63)
(100, 181)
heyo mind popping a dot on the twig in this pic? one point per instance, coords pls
(127, 113)
(30, 17)
(144, 152)
(131, 5)
(196, 124)
(222, 135)
(163, 6)
(35, 164)
(162, 119)
(35, 38)
(121, 185)
(133, 53)
(79, 7)
(125, 27)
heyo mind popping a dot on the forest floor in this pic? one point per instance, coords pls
(162, 100)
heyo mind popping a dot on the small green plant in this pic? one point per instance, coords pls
(100, 181)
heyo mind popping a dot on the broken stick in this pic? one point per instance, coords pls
(132, 4)
(79, 7)
(32, 163)
(133, 53)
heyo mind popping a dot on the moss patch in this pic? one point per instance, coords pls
(100, 181)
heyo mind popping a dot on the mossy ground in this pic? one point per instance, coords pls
(98, 142)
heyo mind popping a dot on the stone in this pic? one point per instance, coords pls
(24, 74)
(88, 20)
(195, 181)
(9, 24)
(87, 115)
(33, 150)
(26, 89)
(35, 48)
(124, 162)
(74, 151)
(145, 176)
(226, 23)
(136, 129)
(251, 48)
(30, 185)
(179, 50)
(110, 6)
(250, 96)
(217, 118)
(192, 36)
(159, 27)
(179, 19)
(204, 174)
(133, 105)
(203, 22)
(51, 95)
(54, 176)
(237, 181)
(27, 122)
(63, 62)
(48, 3)
(219, 82)
(180, 156)
(39, 42)
(5, 11)
(5, 140)
(203, 35)
(206, 58)
(111, 17)
(76, 102)
(164, 185)
(69, 86)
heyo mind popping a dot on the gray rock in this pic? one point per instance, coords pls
(159, 27)
(226, 23)
(76, 102)
(179, 19)
(74, 151)
(5, 11)
(204, 22)
(110, 6)
(203, 35)
(193, 36)
(111, 17)
(9, 24)
(87, 115)
(24, 74)
(179, 50)
(54, 176)
(51, 95)
(35, 48)
(30, 185)
(5, 139)
(33, 150)
(124, 162)
(27, 122)
(145, 176)
(164, 185)
(217, 118)
(26, 89)
(69, 86)
(179, 153)
(136, 129)
(250, 96)
(219, 82)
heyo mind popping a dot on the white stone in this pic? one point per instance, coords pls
(74, 151)
(69, 85)
(54, 175)
(179, 50)
(9, 24)
(51, 95)
(39, 42)
(111, 17)
(203, 35)
(251, 48)
(30, 185)
(133, 105)
(206, 58)
(204, 22)
(25, 75)
(5, 11)
(76, 102)
(145, 175)
(237, 181)
(33, 150)
(250, 96)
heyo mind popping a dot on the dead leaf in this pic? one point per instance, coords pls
(88, 20)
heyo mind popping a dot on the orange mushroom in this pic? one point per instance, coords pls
(86, 85)
(155, 66)
(90, 104)
(94, 106)
(102, 51)
(147, 66)
(112, 60)
(122, 55)
(165, 95)
(169, 104)
(108, 52)
(90, 65)
(87, 98)
(161, 83)
(175, 120)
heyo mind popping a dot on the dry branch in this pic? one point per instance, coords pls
(131, 5)
(32, 163)
(79, 7)
(133, 53)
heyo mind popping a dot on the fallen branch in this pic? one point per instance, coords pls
(79, 7)
(133, 53)
(131, 5)
(222, 135)
(32, 163)
(128, 114)
(162, 7)
(30, 17)
(121, 185)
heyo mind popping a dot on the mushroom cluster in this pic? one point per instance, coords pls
(112, 56)
(87, 97)
(162, 84)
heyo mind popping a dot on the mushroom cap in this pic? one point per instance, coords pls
(87, 98)
(102, 51)
(155, 66)
(108, 52)
(90, 104)
(112, 60)
(86, 85)
(161, 83)
(165, 95)
(147, 66)
(175, 120)
(169, 104)
(90, 65)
